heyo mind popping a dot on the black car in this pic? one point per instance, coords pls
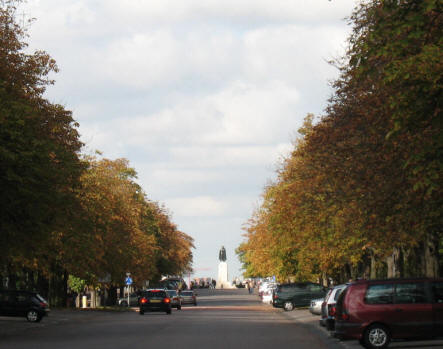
(23, 303)
(155, 300)
(298, 294)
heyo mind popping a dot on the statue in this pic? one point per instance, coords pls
(222, 254)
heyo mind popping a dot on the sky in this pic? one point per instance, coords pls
(203, 97)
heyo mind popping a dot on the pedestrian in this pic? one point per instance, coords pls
(249, 287)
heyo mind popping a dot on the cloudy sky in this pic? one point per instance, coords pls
(202, 96)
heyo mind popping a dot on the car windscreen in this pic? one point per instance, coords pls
(172, 293)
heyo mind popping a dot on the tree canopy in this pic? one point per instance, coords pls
(360, 195)
(64, 213)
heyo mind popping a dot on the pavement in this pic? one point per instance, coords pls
(304, 316)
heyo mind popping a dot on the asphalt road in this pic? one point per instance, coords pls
(222, 320)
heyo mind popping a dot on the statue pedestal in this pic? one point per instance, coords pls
(222, 281)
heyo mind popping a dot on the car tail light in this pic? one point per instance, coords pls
(167, 300)
(43, 304)
(345, 315)
(143, 300)
(332, 311)
(275, 296)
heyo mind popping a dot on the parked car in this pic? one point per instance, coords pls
(155, 300)
(188, 297)
(315, 307)
(376, 311)
(299, 294)
(176, 301)
(266, 286)
(328, 307)
(267, 296)
(133, 300)
(23, 303)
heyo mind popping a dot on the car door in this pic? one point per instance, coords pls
(23, 303)
(412, 314)
(5, 302)
(10, 303)
(437, 307)
(300, 294)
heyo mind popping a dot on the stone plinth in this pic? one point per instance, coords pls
(222, 281)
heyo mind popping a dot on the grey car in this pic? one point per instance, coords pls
(176, 301)
(315, 307)
(133, 300)
(188, 297)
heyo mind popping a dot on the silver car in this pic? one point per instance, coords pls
(176, 301)
(188, 297)
(315, 307)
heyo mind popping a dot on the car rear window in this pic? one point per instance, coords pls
(337, 294)
(155, 294)
(380, 294)
(341, 298)
(328, 295)
(40, 298)
(184, 293)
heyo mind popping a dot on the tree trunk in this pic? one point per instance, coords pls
(395, 263)
(430, 267)
(373, 274)
(93, 298)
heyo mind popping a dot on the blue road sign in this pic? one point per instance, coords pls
(128, 281)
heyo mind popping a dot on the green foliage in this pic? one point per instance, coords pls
(76, 284)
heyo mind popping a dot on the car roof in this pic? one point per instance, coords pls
(359, 282)
(21, 291)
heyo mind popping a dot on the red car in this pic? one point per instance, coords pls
(375, 311)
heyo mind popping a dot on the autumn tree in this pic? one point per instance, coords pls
(360, 195)
(39, 147)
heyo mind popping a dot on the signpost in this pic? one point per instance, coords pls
(128, 284)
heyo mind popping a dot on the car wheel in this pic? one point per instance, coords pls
(376, 336)
(141, 312)
(195, 304)
(179, 307)
(168, 311)
(288, 306)
(33, 316)
(124, 304)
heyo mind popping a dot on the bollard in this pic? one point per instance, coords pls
(84, 302)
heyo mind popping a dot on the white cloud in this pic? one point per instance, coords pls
(276, 10)
(196, 206)
(242, 114)
(200, 96)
